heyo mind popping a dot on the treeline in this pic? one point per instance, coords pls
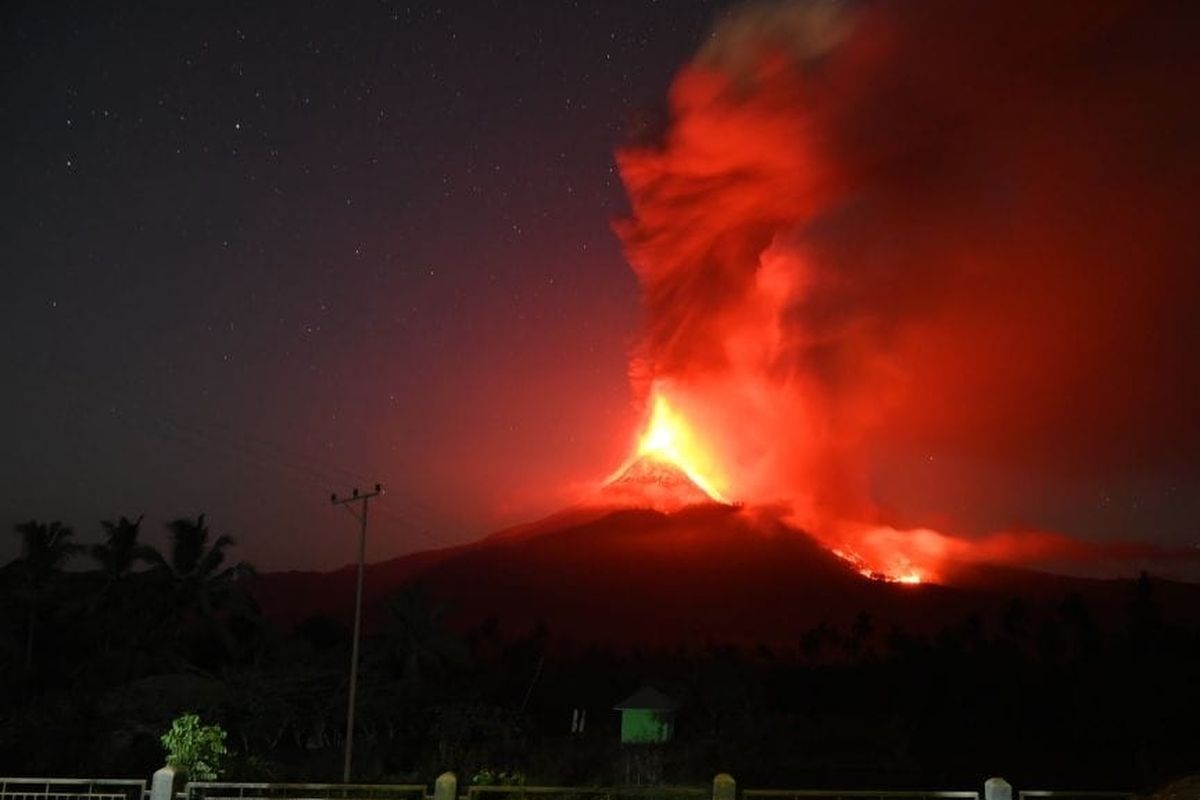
(96, 662)
(139, 610)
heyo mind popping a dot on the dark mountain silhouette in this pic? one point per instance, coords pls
(705, 573)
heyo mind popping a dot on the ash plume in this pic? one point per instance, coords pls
(883, 235)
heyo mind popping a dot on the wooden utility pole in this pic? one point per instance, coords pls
(347, 503)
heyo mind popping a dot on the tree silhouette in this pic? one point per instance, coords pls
(118, 602)
(1145, 619)
(121, 549)
(45, 549)
(1080, 626)
(817, 640)
(202, 586)
(417, 643)
(859, 638)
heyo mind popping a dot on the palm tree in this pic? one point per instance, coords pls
(121, 549)
(117, 556)
(418, 644)
(202, 585)
(45, 549)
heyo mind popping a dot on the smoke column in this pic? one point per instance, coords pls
(874, 237)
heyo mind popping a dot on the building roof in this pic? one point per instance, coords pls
(647, 698)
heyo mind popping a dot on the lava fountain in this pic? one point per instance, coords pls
(670, 467)
(669, 439)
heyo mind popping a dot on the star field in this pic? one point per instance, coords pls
(253, 255)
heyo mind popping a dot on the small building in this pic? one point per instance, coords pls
(647, 717)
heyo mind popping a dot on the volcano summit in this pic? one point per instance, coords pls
(652, 482)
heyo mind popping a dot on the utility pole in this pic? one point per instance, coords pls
(347, 502)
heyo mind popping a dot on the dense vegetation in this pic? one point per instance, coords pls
(101, 646)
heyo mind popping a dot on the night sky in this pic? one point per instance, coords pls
(253, 255)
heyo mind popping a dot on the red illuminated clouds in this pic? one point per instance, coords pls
(846, 248)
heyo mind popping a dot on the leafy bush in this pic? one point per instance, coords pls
(487, 777)
(194, 748)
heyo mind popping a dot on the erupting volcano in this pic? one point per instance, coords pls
(830, 311)
(669, 469)
(903, 306)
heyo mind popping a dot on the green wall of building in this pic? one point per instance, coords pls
(640, 726)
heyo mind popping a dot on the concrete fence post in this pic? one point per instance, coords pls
(997, 789)
(162, 785)
(444, 788)
(724, 787)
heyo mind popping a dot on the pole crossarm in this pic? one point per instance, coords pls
(355, 496)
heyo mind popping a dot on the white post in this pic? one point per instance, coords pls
(162, 785)
(446, 787)
(724, 787)
(997, 789)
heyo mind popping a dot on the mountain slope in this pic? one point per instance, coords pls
(704, 573)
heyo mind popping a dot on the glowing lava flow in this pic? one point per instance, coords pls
(883, 553)
(905, 573)
(668, 447)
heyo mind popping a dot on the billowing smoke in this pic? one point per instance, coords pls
(907, 265)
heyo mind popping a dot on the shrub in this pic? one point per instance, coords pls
(487, 777)
(194, 748)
